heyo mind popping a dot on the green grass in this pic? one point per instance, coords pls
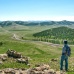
(35, 50)
(39, 52)
(70, 73)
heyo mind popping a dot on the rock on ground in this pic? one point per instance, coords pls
(42, 69)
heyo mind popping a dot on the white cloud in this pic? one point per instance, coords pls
(59, 18)
(23, 18)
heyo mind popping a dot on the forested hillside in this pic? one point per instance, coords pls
(56, 35)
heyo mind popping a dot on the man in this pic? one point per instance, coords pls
(66, 51)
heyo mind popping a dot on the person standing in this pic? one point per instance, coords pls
(66, 51)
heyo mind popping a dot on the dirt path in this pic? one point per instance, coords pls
(15, 36)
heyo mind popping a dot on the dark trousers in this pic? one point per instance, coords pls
(64, 58)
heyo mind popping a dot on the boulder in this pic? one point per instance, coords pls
(9, 71)
(51, 71)
(4, 59)
(14, 54)
(37, 69)
(17, 55)
(1, 72)
(36, 72)
(53, 60)
(1, 62)
(42, 69)
(21, 60)
(3, 55)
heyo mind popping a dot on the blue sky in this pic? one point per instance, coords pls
(37, 10)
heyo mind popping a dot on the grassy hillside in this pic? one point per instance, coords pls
(56, 35)
(27, 31)
(38, 52)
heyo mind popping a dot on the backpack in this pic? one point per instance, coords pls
(66, 50)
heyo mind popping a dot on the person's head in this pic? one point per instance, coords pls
(65, 42)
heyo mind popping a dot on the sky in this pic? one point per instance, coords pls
(37, 10)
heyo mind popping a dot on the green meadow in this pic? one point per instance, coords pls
(38, 51)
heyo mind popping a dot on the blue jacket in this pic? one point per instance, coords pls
(66, 50)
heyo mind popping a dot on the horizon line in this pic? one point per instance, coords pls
(36, 20)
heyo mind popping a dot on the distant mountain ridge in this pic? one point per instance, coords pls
(34, 23)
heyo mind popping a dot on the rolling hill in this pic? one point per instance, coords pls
(56, 35)
(39, 52)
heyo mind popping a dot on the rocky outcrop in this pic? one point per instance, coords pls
(18, 56)
(38, 69)
(42, 69)
(14, 54)
(3, 57)
(13, 71)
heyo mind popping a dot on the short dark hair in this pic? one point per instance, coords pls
(65, 42)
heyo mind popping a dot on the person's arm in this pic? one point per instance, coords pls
(69, 51)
